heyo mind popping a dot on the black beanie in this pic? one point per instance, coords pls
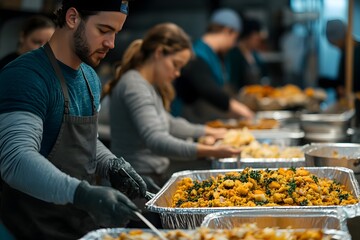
(98, 5)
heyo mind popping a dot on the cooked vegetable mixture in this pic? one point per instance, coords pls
(250, 188)
(247, 232)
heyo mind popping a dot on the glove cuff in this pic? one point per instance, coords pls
(116, 164)
(80, 193)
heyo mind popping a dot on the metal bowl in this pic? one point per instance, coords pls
(333, 155)
(326, 123)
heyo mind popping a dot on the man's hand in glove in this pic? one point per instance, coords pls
(151, 185)
(107, 206)
(119, 173)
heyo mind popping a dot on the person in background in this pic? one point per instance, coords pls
(201, 96)
(142, 129)
(336, 34)
(35, 32)
(244, 63)
(50, 156)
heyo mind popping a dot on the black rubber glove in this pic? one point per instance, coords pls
(108, 207)
(151, 185)
(133, 187)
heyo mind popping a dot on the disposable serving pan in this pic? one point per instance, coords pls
(192, 217)
(114, 232)
(295, 219)
(234, 163)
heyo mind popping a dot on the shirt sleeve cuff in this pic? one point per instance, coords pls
(199, 131)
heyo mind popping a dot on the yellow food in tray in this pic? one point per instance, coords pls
(251, 188)
(246, 231)
(287, 92)
(259, 97)
(261, 124)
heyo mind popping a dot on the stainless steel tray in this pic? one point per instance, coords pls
(326, 123)
(286, 119)
(322, 155)
(281, 137)
(193, 217)
(277, 115)
(296, 219)
(114, 232)
(233, 163)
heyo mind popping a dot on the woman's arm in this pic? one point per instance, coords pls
(144, 112)
(216, 151)
(183, 129)
(237, 109)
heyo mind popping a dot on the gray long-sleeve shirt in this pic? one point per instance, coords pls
(141, 129)
(25, 169)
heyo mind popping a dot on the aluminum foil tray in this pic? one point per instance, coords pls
(233, 163)
(296, 219)
(185, 218)
(114, 232)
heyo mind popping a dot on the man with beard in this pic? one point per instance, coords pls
(49, 151)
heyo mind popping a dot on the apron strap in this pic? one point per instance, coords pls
(94, 110)
(60, 75)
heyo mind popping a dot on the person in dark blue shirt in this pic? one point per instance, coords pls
(49, 152)
(336, 33)
(200, 90)
(243, 62)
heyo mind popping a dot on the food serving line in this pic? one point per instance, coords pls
(336, 161)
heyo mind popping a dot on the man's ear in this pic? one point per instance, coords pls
(72, 18)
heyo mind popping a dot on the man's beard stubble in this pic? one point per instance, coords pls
(82, 48)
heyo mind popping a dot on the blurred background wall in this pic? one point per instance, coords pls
(296, 49)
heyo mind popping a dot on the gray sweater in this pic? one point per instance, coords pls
(143, 132)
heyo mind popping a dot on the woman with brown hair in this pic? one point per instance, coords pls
(142, 130)
(35, 32)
